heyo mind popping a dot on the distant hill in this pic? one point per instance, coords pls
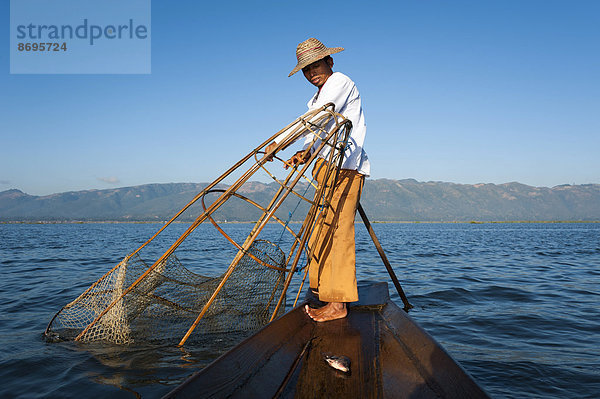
(383, 199)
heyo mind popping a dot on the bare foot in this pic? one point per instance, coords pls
(331, 311)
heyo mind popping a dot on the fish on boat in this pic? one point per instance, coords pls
(391, 357)
(341, 363)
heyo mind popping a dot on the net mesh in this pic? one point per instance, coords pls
(136, 302)
(165, 303)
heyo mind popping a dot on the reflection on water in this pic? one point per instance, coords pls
(147, 370)
(146, 366)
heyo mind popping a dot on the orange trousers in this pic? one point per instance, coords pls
(332, 267)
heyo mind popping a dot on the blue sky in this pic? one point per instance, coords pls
(460, 91)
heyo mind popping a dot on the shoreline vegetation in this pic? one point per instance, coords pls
(292, 222)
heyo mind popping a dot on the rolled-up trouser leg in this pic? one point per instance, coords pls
(332, 268)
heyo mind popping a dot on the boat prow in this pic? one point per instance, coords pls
(389, 355)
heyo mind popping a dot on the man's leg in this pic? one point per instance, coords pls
(322, 235)
(333, 266)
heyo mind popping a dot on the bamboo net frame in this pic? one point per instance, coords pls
(331, 130)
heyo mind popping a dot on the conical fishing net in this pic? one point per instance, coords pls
(165, 301)
(168, 300)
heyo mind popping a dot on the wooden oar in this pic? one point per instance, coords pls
(384, 258)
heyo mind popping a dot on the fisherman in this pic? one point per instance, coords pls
(332, 268)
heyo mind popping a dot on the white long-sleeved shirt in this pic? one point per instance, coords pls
(341, 90)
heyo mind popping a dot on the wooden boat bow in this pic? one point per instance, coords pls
(391, 357)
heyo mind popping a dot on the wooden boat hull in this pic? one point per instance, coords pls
(391, 357)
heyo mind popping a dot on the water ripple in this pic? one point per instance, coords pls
(515, 304)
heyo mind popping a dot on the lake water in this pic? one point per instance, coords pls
(517, 305)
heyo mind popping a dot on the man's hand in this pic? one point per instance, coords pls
(298, 158)
(268, 149)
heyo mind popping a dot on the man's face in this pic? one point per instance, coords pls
(318, 72)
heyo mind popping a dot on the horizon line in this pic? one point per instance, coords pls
(255, 181)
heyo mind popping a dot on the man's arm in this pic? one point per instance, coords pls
(270, 148)
(299, 158)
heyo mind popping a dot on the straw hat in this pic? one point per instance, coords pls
(312, 50)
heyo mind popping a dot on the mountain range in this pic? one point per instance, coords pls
(383, 200)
